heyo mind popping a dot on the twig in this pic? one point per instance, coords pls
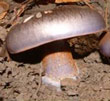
(87, 3)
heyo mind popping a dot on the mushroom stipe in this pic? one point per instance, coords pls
(52, 29)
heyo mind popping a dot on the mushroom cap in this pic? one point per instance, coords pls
(64, 22)
(104, 45)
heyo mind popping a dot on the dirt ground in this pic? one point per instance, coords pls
(20, 78)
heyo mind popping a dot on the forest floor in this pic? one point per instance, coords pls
(20, 78)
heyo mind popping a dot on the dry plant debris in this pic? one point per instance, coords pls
(20, 10)
(4, 7)
(65, 1)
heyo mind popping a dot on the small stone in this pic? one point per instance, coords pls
(39, 15)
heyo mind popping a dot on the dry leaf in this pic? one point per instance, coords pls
(3, 9)
(65, 1)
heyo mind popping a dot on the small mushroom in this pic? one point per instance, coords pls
(52, 30)
(104, 45)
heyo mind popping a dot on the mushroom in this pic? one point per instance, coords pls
(104, 45)
(53, 29)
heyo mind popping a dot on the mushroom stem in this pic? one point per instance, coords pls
(58, 63)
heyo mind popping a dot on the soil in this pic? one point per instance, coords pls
(20, 77)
